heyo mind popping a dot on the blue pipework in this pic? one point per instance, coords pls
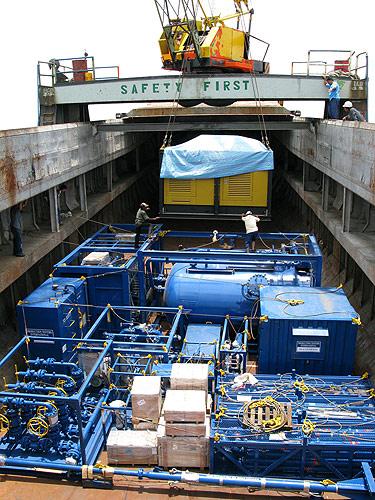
(62, 423)
(353, 488)
(51, 365)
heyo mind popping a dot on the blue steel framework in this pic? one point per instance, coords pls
(66, 408)
(134, 363)
(293, 247)
(129, 336)
(332, 434)
(115, 283)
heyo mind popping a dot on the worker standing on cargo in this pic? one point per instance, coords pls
(16, 226)
(352, 114)
(141, 220)
(334, 97)
(251, 229)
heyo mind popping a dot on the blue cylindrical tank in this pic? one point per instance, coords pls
(214, 290)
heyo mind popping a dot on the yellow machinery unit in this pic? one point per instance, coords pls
(195, 177)
(223, 196)
(193, 42)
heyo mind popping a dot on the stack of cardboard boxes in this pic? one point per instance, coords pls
(184, 427)
(176, 437)
(138, 446)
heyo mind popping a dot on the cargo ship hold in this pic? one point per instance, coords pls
(187, 297)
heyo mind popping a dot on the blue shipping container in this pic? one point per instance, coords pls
(55, 309)
(311, 330)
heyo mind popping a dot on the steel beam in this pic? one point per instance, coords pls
(53, 209)
(218, 124)
(109, 172)
(347, 210)
(205, 88)
(325, 192)
(82, 192)
(137, 159)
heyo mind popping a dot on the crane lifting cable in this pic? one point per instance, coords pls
(254, 82)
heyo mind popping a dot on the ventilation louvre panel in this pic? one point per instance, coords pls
(240, 185)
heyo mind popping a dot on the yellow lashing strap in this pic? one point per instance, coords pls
(308, 427)
(301, 386)
(327, 482)
(220, 413)
(217, 437)
(295, 302)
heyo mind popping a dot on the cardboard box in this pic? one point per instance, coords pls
(185, 406)
(96, 259)
(146, 399)
(189, 376)
(132, 447)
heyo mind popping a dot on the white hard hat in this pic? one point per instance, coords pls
(249, 212)
(347, 104)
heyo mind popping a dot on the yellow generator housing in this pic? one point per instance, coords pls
(224, 42)
(226, 196)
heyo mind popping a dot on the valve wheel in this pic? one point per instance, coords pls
(38, 426)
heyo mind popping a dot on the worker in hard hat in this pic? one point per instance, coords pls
(251, 230)
(352, 114)
(142, 219)
(333, 97)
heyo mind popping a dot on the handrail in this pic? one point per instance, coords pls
(330, 66)
(263, 41)
(55, 68)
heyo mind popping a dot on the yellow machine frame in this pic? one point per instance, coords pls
(227, 195)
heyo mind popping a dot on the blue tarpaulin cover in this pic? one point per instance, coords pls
(213, 156)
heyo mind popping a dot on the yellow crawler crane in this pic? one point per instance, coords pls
(194, 42)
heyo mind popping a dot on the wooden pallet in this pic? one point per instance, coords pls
(259, 415)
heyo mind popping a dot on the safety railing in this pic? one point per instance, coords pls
(73, 70)
(351, 64)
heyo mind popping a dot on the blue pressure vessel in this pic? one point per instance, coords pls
(214, 290)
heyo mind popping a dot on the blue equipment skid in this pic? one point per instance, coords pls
(57, 308)
(326, 427)
(310, 330)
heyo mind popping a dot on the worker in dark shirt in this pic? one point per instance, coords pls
(352, 114)
(142, 219)
(58, 75)
(16, 226)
